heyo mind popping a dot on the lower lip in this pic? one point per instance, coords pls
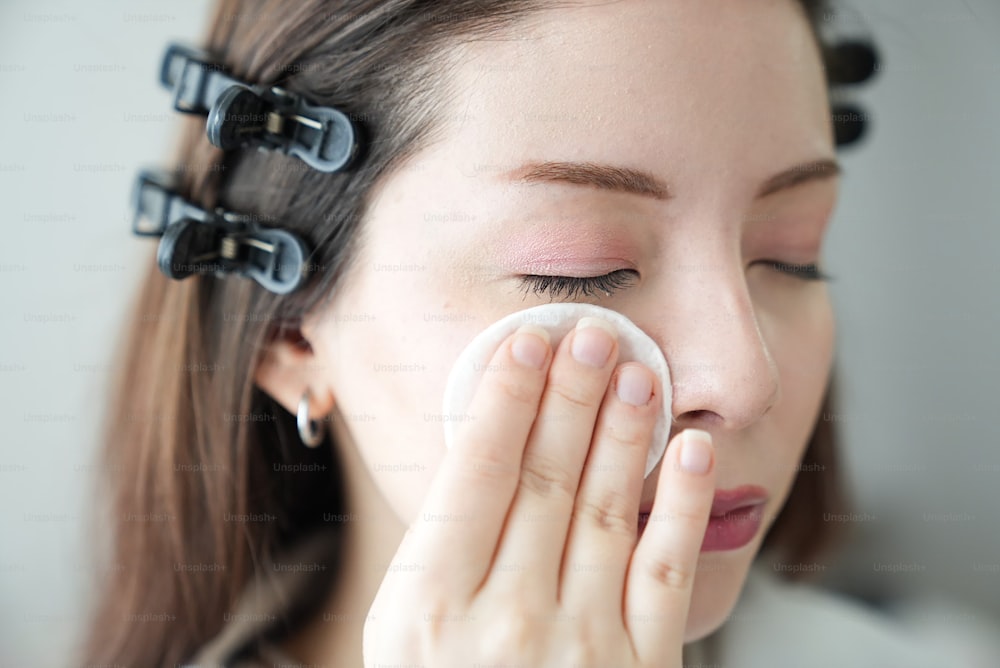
(726, 532)
(732, 530)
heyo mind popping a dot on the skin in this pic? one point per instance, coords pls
(714, 110)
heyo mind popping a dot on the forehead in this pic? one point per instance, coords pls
(712, 85)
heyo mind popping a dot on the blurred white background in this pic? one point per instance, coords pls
(913, 249)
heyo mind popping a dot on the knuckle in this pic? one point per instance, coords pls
(547, 478)
(669, 574)
(607, 512)
(487, 468)
(628, 434)
(577, 396)
(518, 391)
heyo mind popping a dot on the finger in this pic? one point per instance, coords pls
(454, 537)
(534, 538)
(661, 572)
(606, 513)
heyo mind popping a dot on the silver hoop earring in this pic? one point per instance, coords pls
(310, 431)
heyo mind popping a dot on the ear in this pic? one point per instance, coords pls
(288, 367)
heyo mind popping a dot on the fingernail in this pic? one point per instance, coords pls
(696, 455)
(530, 346)
(634, 385)
(593, 340)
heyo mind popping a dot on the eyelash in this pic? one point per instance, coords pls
(806, 272)
(587, 286)
(590, 286)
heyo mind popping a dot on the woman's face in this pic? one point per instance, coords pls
(709, 101)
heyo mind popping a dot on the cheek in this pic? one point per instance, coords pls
(805, 349)
(800, 338)
(391, 343)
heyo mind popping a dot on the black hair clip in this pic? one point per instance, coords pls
(852, 59)
(220, 242)
(852, 62)
(268, 117)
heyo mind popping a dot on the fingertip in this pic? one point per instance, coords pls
(697, 455)
(530, 346)
(634, 384)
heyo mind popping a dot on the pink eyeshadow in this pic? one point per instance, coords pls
(568, 251)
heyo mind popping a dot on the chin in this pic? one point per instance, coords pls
(717, 586)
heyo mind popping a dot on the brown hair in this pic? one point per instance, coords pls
(197, 458)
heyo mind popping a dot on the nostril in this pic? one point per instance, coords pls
(700, 418)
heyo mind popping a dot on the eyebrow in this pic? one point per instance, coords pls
(638, 182)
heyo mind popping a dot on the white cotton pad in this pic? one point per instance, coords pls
(558, 319)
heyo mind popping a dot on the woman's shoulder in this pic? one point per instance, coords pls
(781, 623)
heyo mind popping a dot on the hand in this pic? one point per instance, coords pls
(525, 552)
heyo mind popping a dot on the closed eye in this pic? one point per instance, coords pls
(806, 272)
(570, 287)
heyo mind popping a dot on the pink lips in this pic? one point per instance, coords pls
(735, 518)
(727, 500)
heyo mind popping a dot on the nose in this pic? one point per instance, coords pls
(722, 372)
